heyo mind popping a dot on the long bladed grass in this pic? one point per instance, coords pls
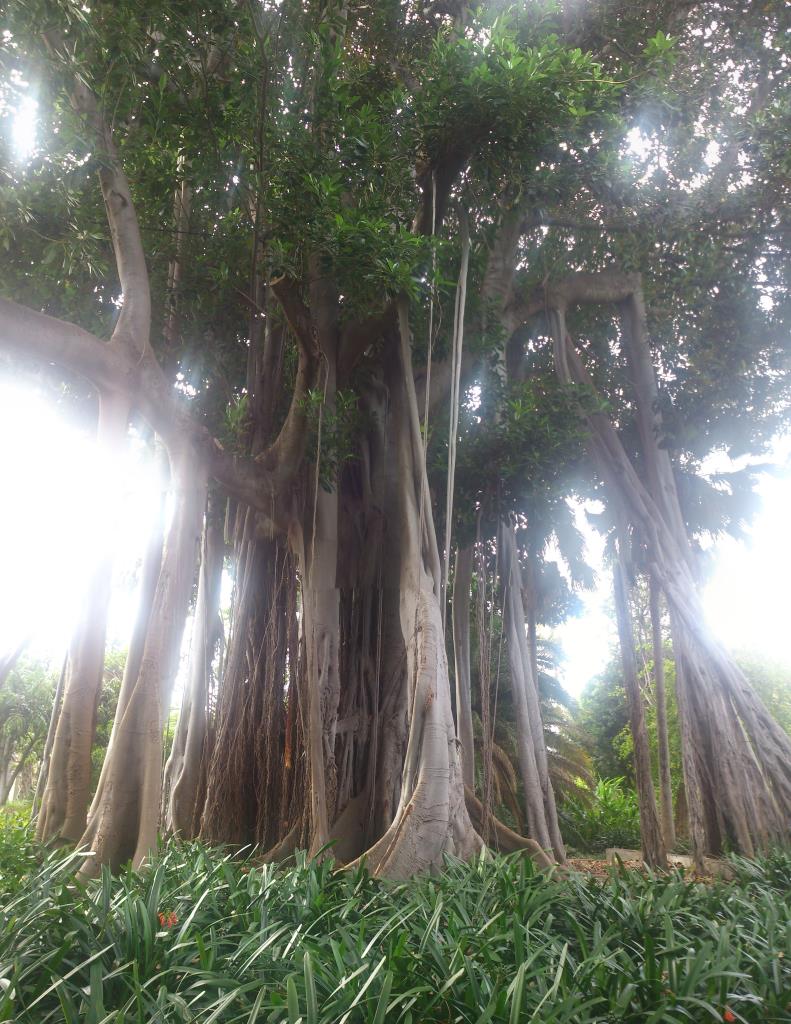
(201, 936)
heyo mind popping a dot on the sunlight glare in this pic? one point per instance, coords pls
(745, 599)
(23, 129)
(63, 500)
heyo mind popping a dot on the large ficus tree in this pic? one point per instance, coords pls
(289, 237)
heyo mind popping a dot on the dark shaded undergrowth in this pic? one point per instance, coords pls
(203, 937)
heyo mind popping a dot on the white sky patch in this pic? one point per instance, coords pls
(712, 155)
(23, 129)
(745, 600)
(638, 143)
(588, 638)
(746, 597)
(60, 495)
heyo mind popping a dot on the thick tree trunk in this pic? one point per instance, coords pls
(432, 819)
(665, 786)
(539, 795)
(321, 624)
(124, 816)
(187, 759)
(321, 631)
(462, 579)
(654, 852)
(68, 791)
(152, 563)
(246, 771)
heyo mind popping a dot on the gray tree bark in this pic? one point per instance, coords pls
(182, 783)
(46, 755)
(432, 818)
(539, 794)
(462, 579)
(663, 744)
(654, 852)
(737, 759)
(124, 816)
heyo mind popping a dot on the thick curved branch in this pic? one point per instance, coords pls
(32, 334)
(107, 366)
(574, 289)
(134, 322)
(286, 291)
(282, 458)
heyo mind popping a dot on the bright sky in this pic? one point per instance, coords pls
(746, 598)
(59, 496)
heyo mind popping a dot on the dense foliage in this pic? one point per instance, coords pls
(25, 704)
(610, 818)
(200, 937)
(603, 716)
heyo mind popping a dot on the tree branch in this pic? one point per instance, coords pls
(108, 367)
(575, 289)
(134, 322)
(37, 335)
(297, 314)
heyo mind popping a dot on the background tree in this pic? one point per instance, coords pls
(25, 702)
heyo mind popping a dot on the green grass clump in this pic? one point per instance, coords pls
(610, 818)
(206, 938)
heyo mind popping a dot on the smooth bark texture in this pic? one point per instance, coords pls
(539, 795)
(152, 562)
(431, 819)
(530, 597)
(737, 759)
(124, 816)
(654, 852)
(10, 770)
(187, 761)
(462, 580)
(321, 607)
(317, 555)
(46, 756)
(663, 744)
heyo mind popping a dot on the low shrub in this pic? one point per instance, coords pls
(610, 818)
(202, 937)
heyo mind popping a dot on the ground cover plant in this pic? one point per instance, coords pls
(610, 818)
(201, 936)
